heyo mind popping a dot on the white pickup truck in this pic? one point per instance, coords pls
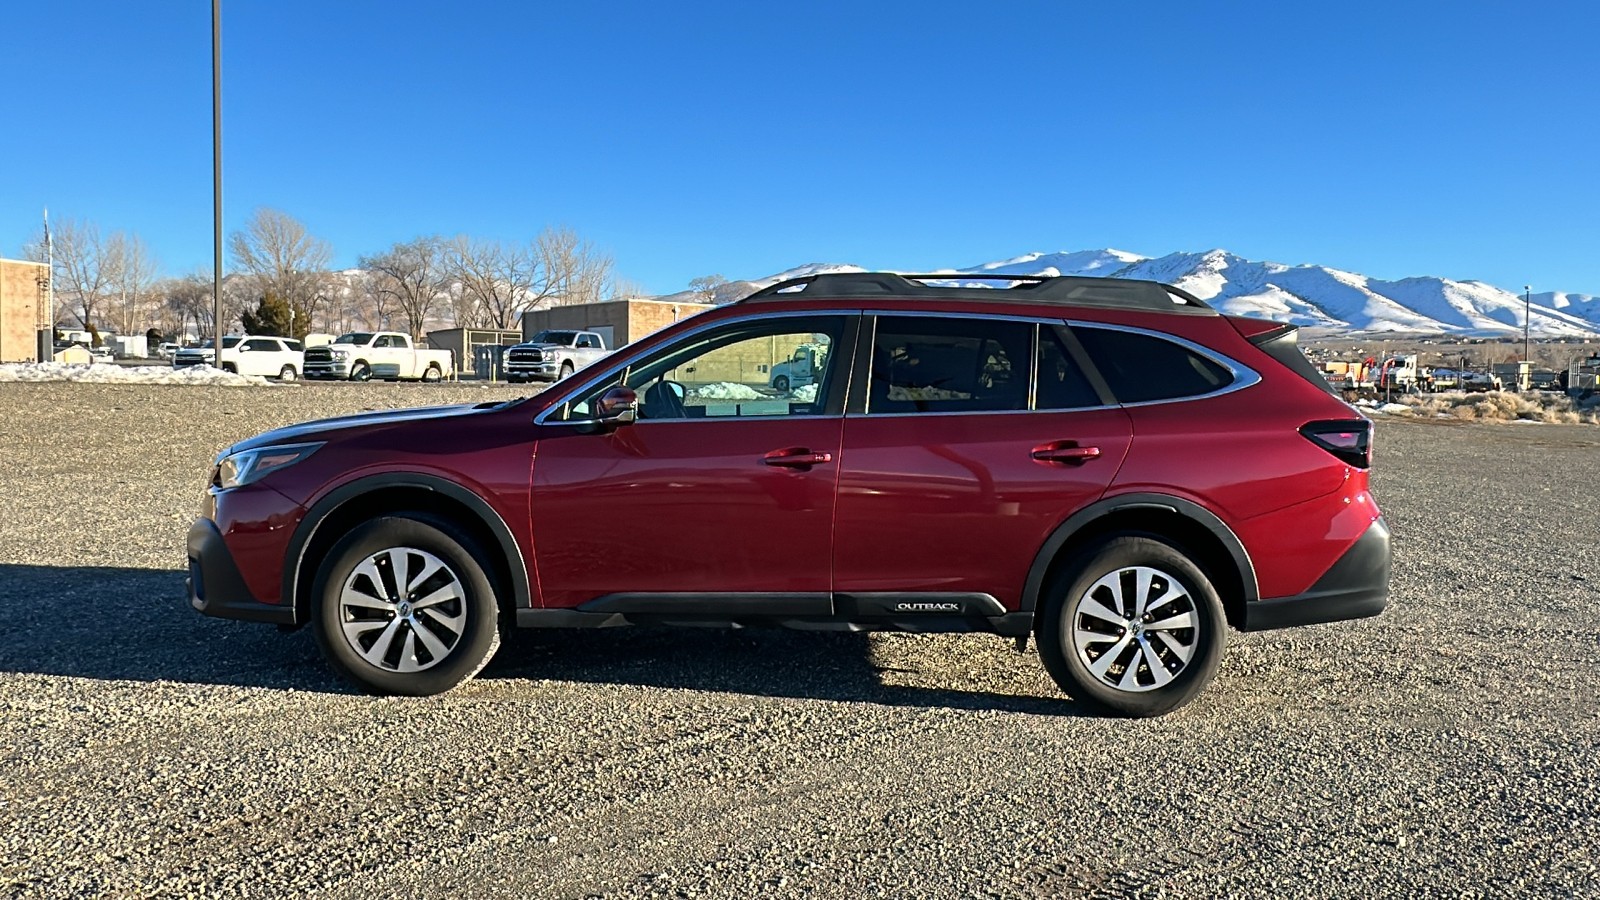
(365, 355)
(552, 355)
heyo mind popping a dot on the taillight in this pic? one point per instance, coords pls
(1348, 439)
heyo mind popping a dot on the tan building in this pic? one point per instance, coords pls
(22, 293)
(619, 322)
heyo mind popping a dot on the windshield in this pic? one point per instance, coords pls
(553, 337)
(228, 343)
(359, 337)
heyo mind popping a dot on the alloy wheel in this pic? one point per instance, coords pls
(1136, 628)
(402, 609)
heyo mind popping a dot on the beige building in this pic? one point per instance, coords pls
(619, 322)
(22, 301)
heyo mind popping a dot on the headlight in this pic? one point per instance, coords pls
(339, 354)
(249, 466)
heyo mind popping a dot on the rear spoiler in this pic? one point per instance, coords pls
(1281, 341)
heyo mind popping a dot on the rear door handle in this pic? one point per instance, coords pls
(1065, 452)
(796, 458)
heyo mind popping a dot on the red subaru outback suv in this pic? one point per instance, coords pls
(1110, 466)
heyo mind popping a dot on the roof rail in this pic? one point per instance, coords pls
(1065, 290)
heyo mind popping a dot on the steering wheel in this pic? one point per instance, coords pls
(663, 399)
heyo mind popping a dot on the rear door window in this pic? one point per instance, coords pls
(1062, 384)
(939, 364)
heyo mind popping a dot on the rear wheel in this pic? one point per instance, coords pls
(1132, 627)
(432, 374)
(403, 606)
(287, 373)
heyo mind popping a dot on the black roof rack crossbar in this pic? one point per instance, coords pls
(1068, 290)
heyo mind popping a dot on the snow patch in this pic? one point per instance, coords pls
(101, 373)
(727, 390)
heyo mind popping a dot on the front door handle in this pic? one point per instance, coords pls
(1065, 452)
(796, 458)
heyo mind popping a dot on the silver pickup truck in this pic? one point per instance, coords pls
(552, 355)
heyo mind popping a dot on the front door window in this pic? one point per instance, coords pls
(742, 370)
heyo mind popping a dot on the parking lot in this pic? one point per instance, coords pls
(1448, 747)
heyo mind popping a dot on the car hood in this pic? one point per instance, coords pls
(540, 347)
(324, 429)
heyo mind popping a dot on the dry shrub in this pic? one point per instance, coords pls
(1505, 406)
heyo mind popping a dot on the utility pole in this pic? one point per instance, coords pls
(216, 178)
(1527, 311)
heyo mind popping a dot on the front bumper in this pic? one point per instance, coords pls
(545, 371)
(215, 586)
(1355, 587)
(327, 370)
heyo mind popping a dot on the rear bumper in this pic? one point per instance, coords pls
(1355, 587)
(215, 586)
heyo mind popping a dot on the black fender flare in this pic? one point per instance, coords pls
(338, 497)
(1164, 502)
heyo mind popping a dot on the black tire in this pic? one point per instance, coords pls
(361, 371)
(781, 384)
(432, 374)
(566, 370)
(230, 368)
(338, 626)
(287, 373)
(1080, 587)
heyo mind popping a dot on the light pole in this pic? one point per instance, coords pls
(1527, 311)
(216, 178)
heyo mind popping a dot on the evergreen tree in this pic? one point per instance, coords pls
(275, 316)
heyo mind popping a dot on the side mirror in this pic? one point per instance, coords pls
(617, 406)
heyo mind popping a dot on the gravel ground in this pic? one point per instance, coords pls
(1447, 747)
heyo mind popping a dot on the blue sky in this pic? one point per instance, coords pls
(1456, 139)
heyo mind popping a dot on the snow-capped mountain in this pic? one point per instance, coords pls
(1307, 295)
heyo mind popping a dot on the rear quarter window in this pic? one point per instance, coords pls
(1140, 368)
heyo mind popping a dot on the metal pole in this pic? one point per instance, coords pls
(50, 280)
(216, 178)
(1527, 313)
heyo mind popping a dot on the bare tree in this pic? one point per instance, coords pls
(625, 289)
(498, 280)
(82, 273)
(705, 287)
(189, 298)
(572, 269)
(414, 274)
(131, 273)
(283, 259)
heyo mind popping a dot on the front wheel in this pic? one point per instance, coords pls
(566, 370)
(781, 384)
(360, 372)
(1133, 627)
(403, 606)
